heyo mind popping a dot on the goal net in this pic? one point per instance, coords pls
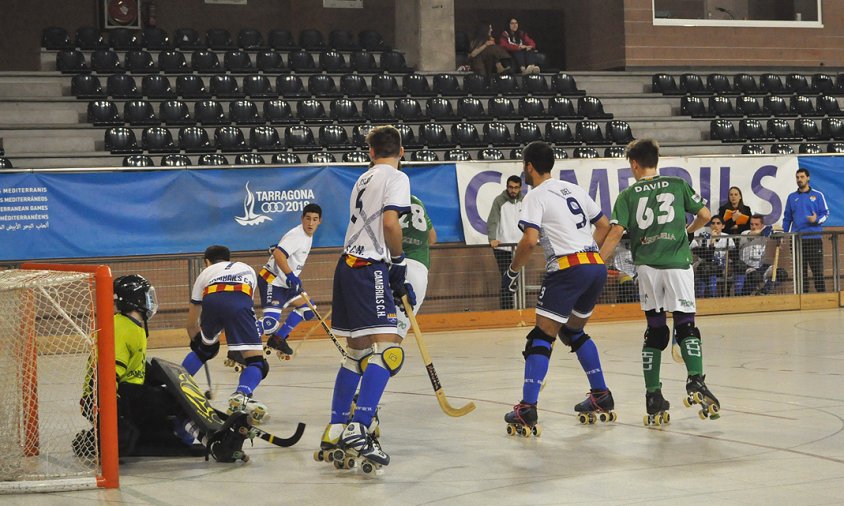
(56, 342)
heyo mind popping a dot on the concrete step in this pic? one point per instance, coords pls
(30, 112)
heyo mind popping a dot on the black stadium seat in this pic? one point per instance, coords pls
(618, 132)
(152, 37)
(300, 60)
(258, 86)
(780, 129)
(212, 159)
(535, 84)
(746, 84)
(490, 154)
(137, 161)
(225, 86)
(592, 108)
(105, 61)
(356, 157)
(562, 108)
(218, 39)
(120, 39)
(342, 40)
(191, 86)
(244, 112)
(771, 83)
(270, 61)
(665, 84)
(371, 40)
(286, 158)
(585, 152)
(209, 112)
(752, 130)
(457, 155)
(476, 85)
(55, 37)
(158, 140)
(802, 105)
(527, 132)
(408, 138)
(334, 137)
(470, 108)
(359, 133)
(589, 132)
(416, 85)
(532, 108)
(424, 155)
(194, 140)
(205, 62)
(501, 108)
(321, 157)
(140, 62)
(693, 84)
(344, 110)
(776, 106)
(408, 109)
(281, 39)
(175, 160)
(174, 112)
(807, 128)
(186, 39)
(103, 112)
(558, 132)
(122, 86)
(71, 61)
(238, 62)
(172, 62)
(810, 149)
(363, 62)
(311, 111)
(723, 130)
(781, 149)
(250, 39)
(86, 86)
(559, 153)
(720, 84)
(230, 139)
(393, 61)
(88, 38)
(823, 84)
(722, 107)
(564, 84)
(311, 39)
(752, 149)
(446, 85)
(354, 85)
(827, 104)
(139, 113)
(299, 137)
(504, 84)
(797, 84)
(377, 110)
(385, 85)
(465, 135)
(497, 134)
(322, 85)
(615, 152)
(694, 107)
(264, 138)
(278, 112)
(332, 61)
(433, 135)
(121, 140)
(748, 106)
(439, 109)
(290, 86)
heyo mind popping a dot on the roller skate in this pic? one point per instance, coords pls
(241, 403)
(697, 393)
(357, 447)
(279, 346)
(657, 408)
(234, 359)
(598, 406)
(329, 443)
(376, 432)
(522, 420)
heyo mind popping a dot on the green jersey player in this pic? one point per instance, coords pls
(418, 235)
(653, 212)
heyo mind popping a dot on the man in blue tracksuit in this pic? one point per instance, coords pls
(805, 213)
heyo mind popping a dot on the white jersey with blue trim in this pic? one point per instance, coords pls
(562, 212)
(381, 188)
(223, 272)
(296, 245)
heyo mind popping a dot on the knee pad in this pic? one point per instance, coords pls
(573, 338)
(657, 337)
(685, 331)
(356, 360)
(306, 313)
(270, 323)
(259, 362)
(205, 352)
(537, 335)
(390, 356)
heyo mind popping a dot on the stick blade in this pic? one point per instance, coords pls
(450, 410)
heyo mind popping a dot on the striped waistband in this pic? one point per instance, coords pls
(356, 263)
(589, 257)
(267, 275)
(223, 287)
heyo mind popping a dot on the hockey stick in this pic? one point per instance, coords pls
(324, 325)
(676, 354)
(284, 442)
(776, 261)
(209, 394)
(429, 366)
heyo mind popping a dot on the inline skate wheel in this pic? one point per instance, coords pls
(338, 464)
(268, 351)
(318, 456)
(713, 408)
(702, 414)
(687, 401)
(613, 416)
(582, 419)
(666, 417)
(338, 455)
(367, 468)
(536, 430)
(647, 420)
(511, 430)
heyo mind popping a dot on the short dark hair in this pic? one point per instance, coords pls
(645, 152)
(217, 253)
(716, 217)
(757, 216)
(385, 141)
(804, 171)
(515, 179)
(312, 208)
(540, 155)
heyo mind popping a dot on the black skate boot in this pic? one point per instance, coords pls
(280, 346)
(226, 445)
(357, 447)
(697, 393)
(598, 405)
(522, 421)
(657, 408)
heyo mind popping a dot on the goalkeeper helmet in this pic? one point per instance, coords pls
(134, 293)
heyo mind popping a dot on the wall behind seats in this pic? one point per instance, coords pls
(22, 21)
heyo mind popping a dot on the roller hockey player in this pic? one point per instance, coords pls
(653, 211)
(575, 277)
(222, 296)
(279, 283)
(366, 287)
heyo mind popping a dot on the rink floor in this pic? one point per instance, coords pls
(779, 440)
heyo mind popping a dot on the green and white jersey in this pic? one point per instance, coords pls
(653, 211)
(414, 227)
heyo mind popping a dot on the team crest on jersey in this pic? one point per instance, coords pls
(250, 217)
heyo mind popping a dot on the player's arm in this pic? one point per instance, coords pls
(822, 210)
(280, 258)
(392, 232)
(529, 239)
(701, 219)
(492, 222)
(787, 216)
(611, 240)
(192, 323)
(602, 228)
(432, 236)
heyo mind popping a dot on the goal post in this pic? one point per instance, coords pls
(56, 341)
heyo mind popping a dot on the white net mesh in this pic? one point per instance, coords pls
(47, 334)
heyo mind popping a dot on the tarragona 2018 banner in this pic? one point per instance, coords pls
(145, 212)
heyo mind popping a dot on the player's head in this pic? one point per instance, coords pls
(716, 224)
(802, 177)
(385, 142)
(217, 253)
(134, 293)
(539, 157)
(643, 154)
(757, 222)
(311, 218)
(735, 197)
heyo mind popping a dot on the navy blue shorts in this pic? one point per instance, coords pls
(363, 303)
(274, 296)
(572, 291)
(232, 312)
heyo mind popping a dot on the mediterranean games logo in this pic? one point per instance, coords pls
(250, 217)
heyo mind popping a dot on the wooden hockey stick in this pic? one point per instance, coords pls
(309, 333)
(676, 353)
(776, 261)
(429, 366)
(324, 325)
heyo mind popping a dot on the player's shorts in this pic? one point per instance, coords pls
(232, 312)
(273, 295)
(666, 289)
(417, 276)
(362, 304)
(571, 291)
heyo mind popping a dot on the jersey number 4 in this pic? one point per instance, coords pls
(645, 215)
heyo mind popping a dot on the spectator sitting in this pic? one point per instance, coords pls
(485, 56)
(522, 48)
(734, 213)
(753, 267)
(712, 249)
